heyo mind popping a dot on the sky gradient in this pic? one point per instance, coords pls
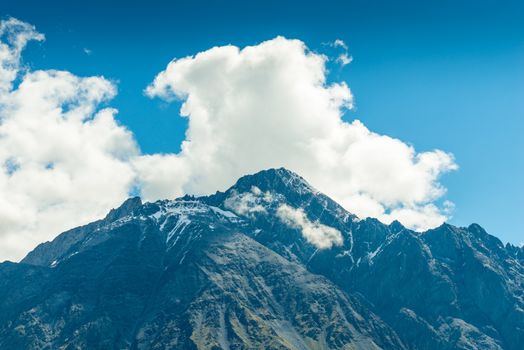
(448, 75)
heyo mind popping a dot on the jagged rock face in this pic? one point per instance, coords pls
(269, 264)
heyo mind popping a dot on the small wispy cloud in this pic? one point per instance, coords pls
(321, 236)
(88, 51)
(248, 203)
(340, 43)
(344, 59)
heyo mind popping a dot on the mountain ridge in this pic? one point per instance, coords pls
(446, 288)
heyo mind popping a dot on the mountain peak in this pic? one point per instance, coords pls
(395, 226)
(275, 179)
(124, 209)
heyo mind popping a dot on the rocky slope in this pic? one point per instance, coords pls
(269, 264)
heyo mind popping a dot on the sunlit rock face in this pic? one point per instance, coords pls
(272, 264)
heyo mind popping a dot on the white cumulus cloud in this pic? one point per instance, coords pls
(270, 105)
(321, 236)
(65, 160)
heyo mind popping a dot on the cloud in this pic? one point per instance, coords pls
(63, 160)
(14, 35)
(343, 59)
(270, 105)
(248, 203)
(340, 43)
(321, 236)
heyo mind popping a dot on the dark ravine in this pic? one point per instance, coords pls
(227, 271)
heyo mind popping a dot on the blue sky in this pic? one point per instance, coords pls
(447, 75)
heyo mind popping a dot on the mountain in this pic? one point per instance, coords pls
(269, 264)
